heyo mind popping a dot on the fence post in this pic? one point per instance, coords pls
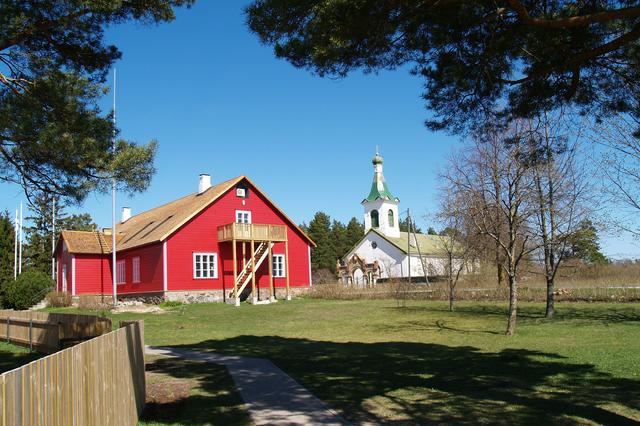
(30, 334)
(8, 321)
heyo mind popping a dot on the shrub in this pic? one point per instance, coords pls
(58, 299)
(29, 289)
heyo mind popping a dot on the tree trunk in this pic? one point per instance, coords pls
(499, 266)
(452, 298)
(550, 298)
(513, 305)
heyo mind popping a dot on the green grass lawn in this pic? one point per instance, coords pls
(12, 356)
(191, 392)
(375, 361)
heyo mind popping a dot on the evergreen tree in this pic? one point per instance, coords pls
(53, 135)
(404, 227)
(520, 57)
(355, 232)
(339, 236)
(39, 237)
(431, 231)
(585, 245)
(7, 235)
(323, 255)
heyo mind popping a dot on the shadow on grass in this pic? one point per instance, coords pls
(193, 393)
(596, 312)
(408, 383)
(12, 360)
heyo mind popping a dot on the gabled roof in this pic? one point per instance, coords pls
(85, 242)
(160, 223)
(430, 245)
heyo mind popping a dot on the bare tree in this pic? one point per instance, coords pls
(620, 165)
(561, 193)
(495, 183)
(457, 242)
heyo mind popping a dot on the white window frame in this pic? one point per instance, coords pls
(206, 274)
(278, 267)
(246, 214)
(135, 270)
(64, 277)
(121, 272)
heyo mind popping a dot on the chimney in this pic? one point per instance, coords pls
(126, 214)
(204, 183)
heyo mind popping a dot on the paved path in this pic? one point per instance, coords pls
(272, 396)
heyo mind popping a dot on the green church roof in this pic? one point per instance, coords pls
(379, 188)
(376, 193)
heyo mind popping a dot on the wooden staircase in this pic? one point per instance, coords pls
(244, 276)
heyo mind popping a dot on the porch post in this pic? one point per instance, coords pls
(271, 289)
(235, 272)
(253, 271)
(286, 265)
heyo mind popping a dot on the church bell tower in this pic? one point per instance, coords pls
(381, 207)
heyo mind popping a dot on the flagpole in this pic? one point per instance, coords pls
(15, 246)
(20, 241)
(113, 201)
(53, 238)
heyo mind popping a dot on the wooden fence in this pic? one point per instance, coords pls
(98, 382)
(48, 332)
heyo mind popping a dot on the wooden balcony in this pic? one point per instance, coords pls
(251, 232)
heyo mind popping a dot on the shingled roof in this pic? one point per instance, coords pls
(157, 224)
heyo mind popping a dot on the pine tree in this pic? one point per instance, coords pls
(339, 235)
(38, 244)
(323, 255)
(585, 245)
(7, 234)
(355, 232)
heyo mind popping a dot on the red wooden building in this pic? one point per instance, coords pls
(225, 242)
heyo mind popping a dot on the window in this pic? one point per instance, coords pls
(391, 221)
(242, 191)
(375, 221)
(278, 266)
(243, 216)
(120, 272)
(205, 265)
(136, 269)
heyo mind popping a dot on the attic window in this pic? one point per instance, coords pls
(242, 191)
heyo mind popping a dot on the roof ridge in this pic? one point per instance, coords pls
(226, 182)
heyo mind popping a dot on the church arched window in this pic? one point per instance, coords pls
(391, 221)
(375, 220)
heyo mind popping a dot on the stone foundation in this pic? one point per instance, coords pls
(208, 296)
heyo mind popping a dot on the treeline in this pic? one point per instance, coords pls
(38, 237)
(333, 239)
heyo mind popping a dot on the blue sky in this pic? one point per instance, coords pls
(219, 102)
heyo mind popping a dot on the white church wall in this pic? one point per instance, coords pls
(388, 256)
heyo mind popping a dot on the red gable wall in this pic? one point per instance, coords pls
(201, 235)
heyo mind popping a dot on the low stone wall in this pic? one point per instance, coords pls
(207, 296)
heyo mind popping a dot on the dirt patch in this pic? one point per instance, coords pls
(168, 391)
(140, 309)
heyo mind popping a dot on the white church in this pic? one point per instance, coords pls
(384, 252)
